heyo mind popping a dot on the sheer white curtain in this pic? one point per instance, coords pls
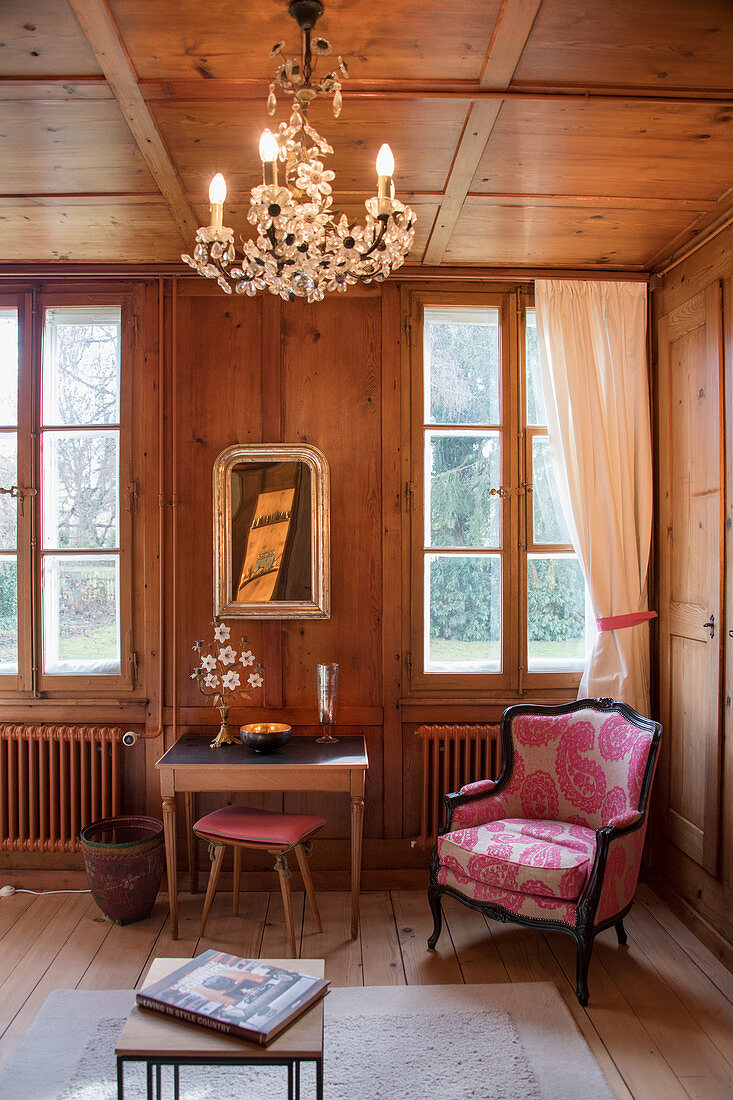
(592, 345)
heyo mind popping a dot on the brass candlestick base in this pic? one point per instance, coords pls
(223, 737)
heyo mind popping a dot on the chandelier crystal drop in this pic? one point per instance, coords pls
(303, 246)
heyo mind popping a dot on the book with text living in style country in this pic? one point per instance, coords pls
(243, 997)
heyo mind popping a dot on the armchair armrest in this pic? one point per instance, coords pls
(466, 807)
(624, 821)
(613, 878)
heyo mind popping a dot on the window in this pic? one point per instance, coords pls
(497, 596)
(64, 533)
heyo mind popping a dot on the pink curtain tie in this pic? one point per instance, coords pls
(618, 622)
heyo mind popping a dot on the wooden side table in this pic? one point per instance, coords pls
(158, 1040)
(302, 765)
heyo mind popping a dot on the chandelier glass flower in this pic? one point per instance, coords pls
(303, 246)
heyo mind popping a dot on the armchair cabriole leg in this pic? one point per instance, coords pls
(585, 948)
(437, 911)
(623, 939)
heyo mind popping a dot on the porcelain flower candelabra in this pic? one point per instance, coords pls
(218, 675)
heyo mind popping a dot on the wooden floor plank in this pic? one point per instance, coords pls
(334, 943)
(240, 935)
(12, 909)
(706, 1088)
(65, 972)
(656, 1021)
(32, 965)
(119, 962)
(274, 944)
(703, 999)
(24, 933)
(478, 955)
(634, 1052)
(705, 960)
(186, 945)
(665, 1016)
(414, 925)
(380, 947)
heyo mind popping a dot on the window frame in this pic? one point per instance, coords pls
(514, 679)
(31, 681)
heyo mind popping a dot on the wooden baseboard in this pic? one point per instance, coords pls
(406, 878)
(709, 936)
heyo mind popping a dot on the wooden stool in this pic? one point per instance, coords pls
(239, 827)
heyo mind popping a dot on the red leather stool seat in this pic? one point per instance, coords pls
(243, 823)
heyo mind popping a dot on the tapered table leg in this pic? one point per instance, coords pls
(357, 827)
(193, 863)
(169, 830)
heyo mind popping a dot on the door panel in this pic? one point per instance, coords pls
(690, 539)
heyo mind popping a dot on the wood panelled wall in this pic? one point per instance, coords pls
(241, 370)
(210, 371)
(693, 834)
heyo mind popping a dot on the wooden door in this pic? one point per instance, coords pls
(690, 570)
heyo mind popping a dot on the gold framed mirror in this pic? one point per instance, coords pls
(271, 532)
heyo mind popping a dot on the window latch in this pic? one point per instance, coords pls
(505, 491)
(19, 494)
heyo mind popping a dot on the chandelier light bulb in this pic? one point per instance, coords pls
(217, 194)
(269, 147)
(385, 161)
(217, 190)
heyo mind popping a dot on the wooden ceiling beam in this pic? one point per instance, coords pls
(100, 31)
(512, 30)
(65, 90)
(527, 200)
(411, 272)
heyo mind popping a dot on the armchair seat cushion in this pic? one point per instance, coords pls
(546, 858)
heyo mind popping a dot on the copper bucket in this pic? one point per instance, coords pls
(124, 862)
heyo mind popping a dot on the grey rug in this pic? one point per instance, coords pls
(493, 1042)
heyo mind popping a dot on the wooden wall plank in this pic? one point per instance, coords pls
(331, 356)
(391, 558)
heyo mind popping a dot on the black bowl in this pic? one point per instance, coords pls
(265, 736)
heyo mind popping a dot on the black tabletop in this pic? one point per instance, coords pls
(194, 749)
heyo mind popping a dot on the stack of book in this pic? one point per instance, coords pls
(242, 997)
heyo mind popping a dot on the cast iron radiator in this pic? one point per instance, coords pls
(54, 780)
(453, 756)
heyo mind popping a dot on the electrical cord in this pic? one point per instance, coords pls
(8, 891)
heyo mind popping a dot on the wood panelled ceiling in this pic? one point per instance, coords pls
(527, 133)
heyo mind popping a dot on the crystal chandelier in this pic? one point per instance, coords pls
(303, 246)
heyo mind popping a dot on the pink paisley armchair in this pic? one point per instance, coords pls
(556, 840)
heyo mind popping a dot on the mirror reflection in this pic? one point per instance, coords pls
(271, 529)
(271, 551)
